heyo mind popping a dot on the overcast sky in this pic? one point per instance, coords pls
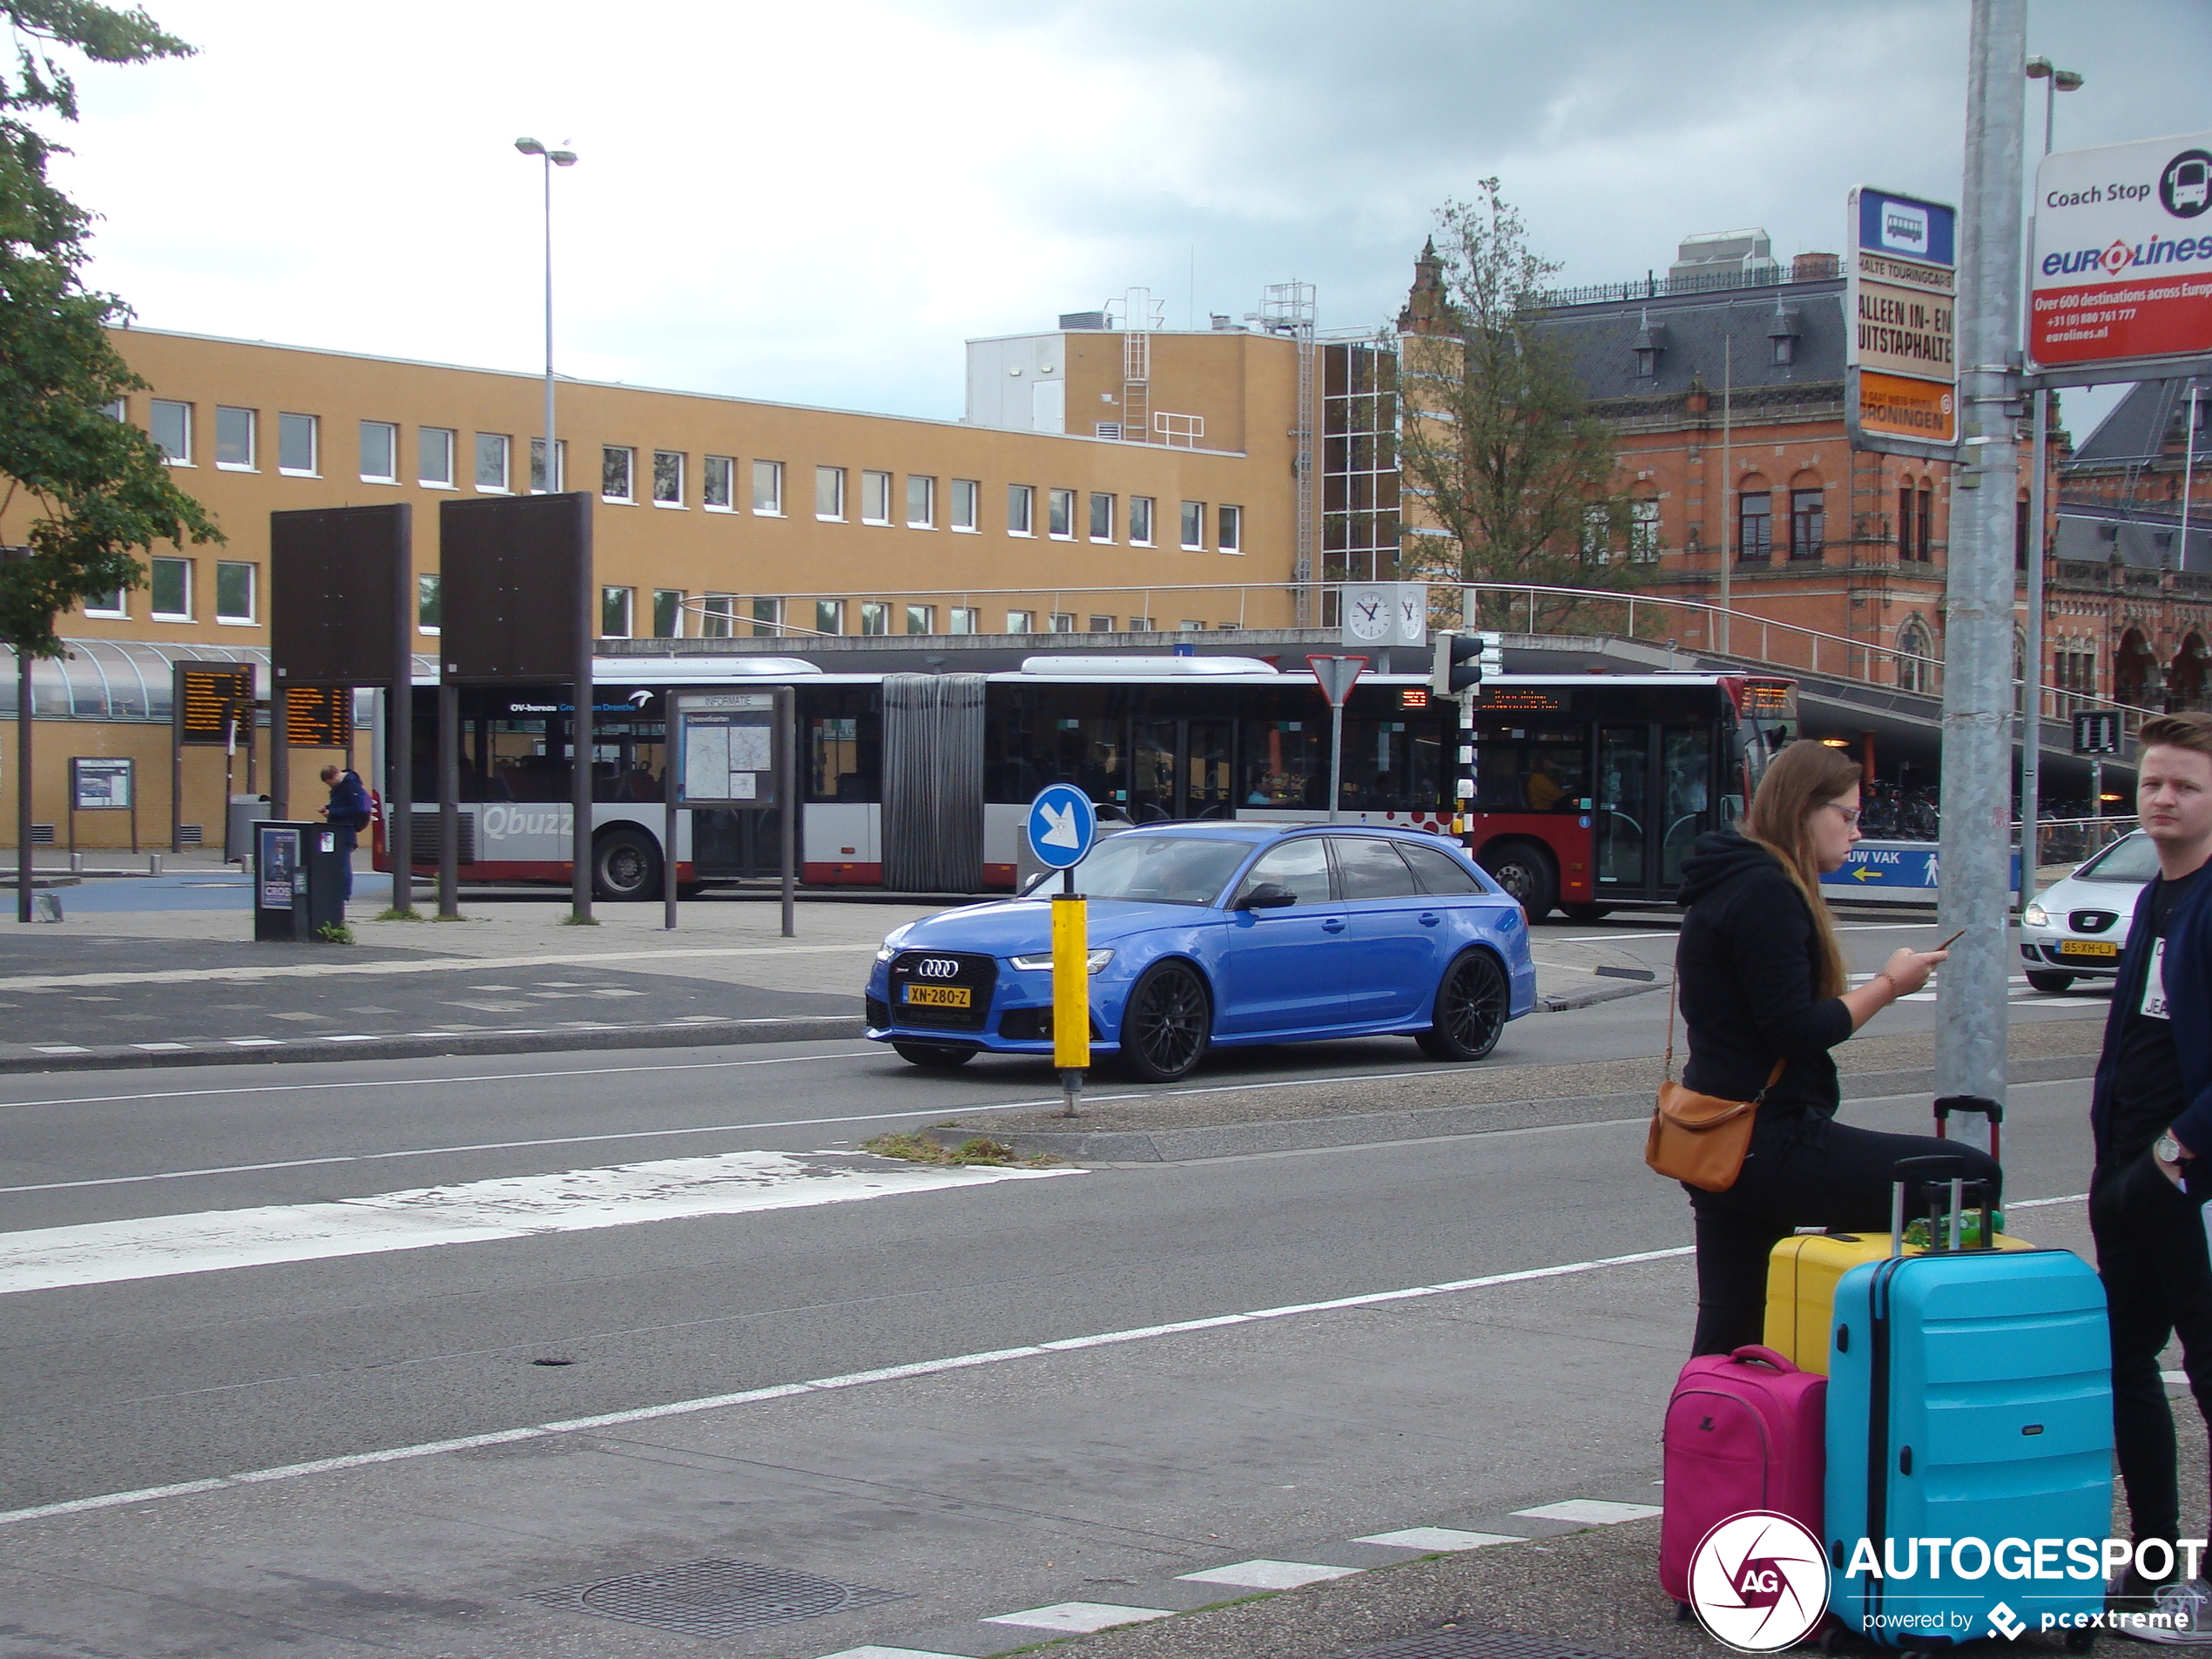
(818, 204)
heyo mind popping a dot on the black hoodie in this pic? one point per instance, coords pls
(1748, 959)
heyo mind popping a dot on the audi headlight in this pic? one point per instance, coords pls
(885, 952)
(2036, 916)
(1044, 964)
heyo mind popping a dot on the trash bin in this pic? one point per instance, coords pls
(298, 879)
(238, 826)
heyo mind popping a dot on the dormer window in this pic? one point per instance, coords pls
(1783, 333)
(1647, 346)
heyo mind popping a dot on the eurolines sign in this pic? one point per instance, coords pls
(2123, 252)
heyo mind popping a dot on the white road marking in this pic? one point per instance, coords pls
(1589, 1512)
(1439, 1538)
(1080, 1618)
(850, 1379)
(1269, 1575)
(106, 1252)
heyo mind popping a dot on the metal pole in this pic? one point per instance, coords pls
(2031, 662)
(399, 755)
(552, 453)
(1336, 759)
(668, 819)
(280, 750)
(580, 752)
(1727, 473)
(449, 800)
(22, 784)
(176, 757)
(787, 802)
(2188, 482)
(1977, 641)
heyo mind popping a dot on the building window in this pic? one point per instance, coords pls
(492, 458)
(668, 613)
(875, 497)
(768, 619)
(1808, 522)
(299, 445)
(1020, 622)
(614, 612)
(233, 593)
(829, 493)
(1140, 521)
(1140, 624)
(380, 452)
(537, 466)
(875, 617)
(1193, 525)
(829, 616)
(617, 473)
(1101, 518)
(668, 478)
(234, 439)
(427, 611)
(1755, 528)
(1102, 625)
(107, 604)
(2019, 535)
(171, 589)
(433, 457)
(1230, 521)
(964, 619)
(171, 430)
(1643, 531)
(1914, 672)
(1186, 626)
(719, 484)
(1597, 536)
(968, 494)
(768, 488)
(1061, 622)
(1021, 509)
(1060, 514)
(921, 503)
(117, 409)
(921, 619)
(718, 615)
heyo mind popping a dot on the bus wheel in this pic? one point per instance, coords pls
(625, 864)
(1526, 870)
(1586, 912)
(938, 1056)
(1470, 1009)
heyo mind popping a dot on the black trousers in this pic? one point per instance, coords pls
(2157, 1276)
(1803, 1170)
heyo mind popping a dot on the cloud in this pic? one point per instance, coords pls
(817, 205)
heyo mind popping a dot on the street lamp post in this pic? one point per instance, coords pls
(2054, 82)
(552, 158)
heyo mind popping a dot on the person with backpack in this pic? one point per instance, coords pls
(348, 813)
(1765, 996)
(2151, 1114)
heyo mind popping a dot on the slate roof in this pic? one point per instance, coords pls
(1602, 340)
(2142, 423)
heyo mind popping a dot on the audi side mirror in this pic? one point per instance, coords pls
(1268, 896)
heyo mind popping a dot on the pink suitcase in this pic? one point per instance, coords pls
(1744, 1431)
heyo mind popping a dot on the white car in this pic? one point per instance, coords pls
(2077, 928)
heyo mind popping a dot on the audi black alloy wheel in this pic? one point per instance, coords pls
(1167, 1024)
(1470, 1009)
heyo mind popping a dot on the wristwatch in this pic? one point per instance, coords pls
(2168, 1149)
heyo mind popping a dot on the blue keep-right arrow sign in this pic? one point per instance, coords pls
(1061, 825)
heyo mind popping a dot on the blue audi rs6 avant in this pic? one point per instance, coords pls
(1224, 934)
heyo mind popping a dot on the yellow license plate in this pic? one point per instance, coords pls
(938, 996)
(2088, 947)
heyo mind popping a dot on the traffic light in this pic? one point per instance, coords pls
(1458, 661)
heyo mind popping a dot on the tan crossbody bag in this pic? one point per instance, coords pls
(1701, 1139)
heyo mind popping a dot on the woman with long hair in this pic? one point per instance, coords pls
(1760, 978)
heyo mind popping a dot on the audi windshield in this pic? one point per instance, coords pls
(1158, 869)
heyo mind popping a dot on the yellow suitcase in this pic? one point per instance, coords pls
(1801, 1278)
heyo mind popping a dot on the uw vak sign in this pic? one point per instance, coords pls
(1892, 872)
(2123, 252)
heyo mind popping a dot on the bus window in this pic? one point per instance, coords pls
(840, 742)
(1286, 763)
(1528, 769)
(1392, 767)
(1686, 769)
(1061, 734)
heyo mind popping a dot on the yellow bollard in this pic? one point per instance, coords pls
(1070, 993)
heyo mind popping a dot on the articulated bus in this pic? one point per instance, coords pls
(1588, 789)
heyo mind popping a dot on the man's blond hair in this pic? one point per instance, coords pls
(2191, 730)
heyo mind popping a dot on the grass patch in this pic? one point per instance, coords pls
(399, 915)
(977, 1148)
(334, 933)
(574, 920)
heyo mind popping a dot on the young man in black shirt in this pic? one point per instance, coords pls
(2152, 1115)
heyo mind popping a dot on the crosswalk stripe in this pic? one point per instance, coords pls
(513, 1207)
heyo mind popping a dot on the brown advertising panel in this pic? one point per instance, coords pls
(510, 570)
(319, 716)
(340, 588)
(214, 702)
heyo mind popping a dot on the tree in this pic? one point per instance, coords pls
(99, 489)
(1497, 447)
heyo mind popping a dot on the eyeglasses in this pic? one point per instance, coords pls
(1850, 813)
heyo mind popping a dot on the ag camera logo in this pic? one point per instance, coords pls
(1758, 1583)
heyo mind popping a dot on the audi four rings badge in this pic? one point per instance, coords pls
(936, 968)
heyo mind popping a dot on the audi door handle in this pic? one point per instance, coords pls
(1429, 919)
(1334, 925)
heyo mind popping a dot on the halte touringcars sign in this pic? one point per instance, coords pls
(1903, 280)
(2123, 253)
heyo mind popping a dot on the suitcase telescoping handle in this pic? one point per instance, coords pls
(1927, 1170)
(1992, 1109)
